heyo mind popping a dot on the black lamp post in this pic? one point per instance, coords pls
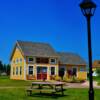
(88, 8)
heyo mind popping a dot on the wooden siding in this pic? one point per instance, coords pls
(17, 55)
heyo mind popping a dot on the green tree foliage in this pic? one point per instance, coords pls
(98, 71)
(8, 69)
(4, 68)
(1, 66)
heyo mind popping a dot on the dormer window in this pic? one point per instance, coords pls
(53, 61)
(30, 59)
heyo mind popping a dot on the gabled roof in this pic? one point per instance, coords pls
(71, 58)
(45, 50)
(96, 64)
(36, 49)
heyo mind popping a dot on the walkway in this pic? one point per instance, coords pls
(82, 85)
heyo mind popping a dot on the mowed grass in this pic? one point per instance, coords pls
(5, 81)
(70, 94)
(97, 78)
(16, 90)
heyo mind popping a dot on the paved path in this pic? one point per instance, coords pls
(82, 85)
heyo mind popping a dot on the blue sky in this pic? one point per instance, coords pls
(57, 22)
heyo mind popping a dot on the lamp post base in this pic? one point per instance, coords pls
(91, 94)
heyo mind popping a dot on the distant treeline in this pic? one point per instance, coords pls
(4, 68)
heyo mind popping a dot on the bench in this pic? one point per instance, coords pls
(53, 88)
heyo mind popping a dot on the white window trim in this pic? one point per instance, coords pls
(17, 70)
(53, 62)
(54, 71)
(20, 70)
(83, 68)
(20, 60)
(28, 69)
(31, 57)
(16, 62)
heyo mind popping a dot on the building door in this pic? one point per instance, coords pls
(41, 73)
(72, 72)
(61, 72)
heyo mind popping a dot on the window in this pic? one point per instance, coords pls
(30, 59)
(16, 70)
(53, 61)
(20, 70)
(20, 59)
(72, 71)
(52, 70)
(30, 70)
(42, 60)
(41, 70)
(17, 60)
(82, 69)
(38, 70)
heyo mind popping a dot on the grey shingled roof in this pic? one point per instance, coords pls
(70, 58)
(37, 49)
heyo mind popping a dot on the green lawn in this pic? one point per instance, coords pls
(97, 79)
(5, 81)
(70, 94)
(18, 93)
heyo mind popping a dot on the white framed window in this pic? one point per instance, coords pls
(20, 70)
(20, 60)
(82, 69)
(30, 59)
(53, 61)
(30, 70)
(17, 61)
(52, 70)
(16, 70)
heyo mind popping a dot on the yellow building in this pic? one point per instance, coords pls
(38, 61)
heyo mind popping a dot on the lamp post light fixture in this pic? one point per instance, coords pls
(88, 8)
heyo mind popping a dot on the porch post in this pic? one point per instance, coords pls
(35, 71)
(24, 69)
(48, 72)
(56, 70)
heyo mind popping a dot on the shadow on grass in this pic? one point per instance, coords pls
(48, 95)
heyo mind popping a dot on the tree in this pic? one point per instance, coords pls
(4, 67)
(8, 69)
(98, 71)
(1, 66)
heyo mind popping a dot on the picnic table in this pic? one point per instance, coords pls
(53, 87)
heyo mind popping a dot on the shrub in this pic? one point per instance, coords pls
(52, 77)
(66, 79)
(57, 78)
(81, 80)
(73, 79)
(98, 71)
